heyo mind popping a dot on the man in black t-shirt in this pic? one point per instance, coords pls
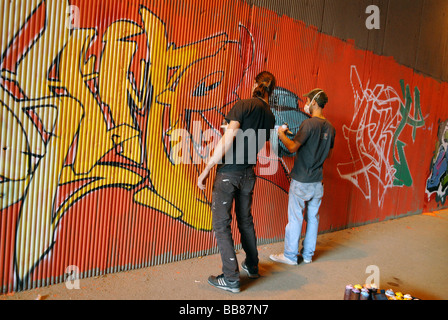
(314, 144)
(256, 120)
(249, 125)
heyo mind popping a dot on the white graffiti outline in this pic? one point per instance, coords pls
(370, 137)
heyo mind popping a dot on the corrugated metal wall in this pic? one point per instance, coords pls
(413, 32)
(95, 93)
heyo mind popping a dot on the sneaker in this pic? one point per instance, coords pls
(282, 259)
(221, 282)
(301, 259)
(251, 273)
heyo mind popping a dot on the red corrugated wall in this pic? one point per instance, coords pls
(92, 91)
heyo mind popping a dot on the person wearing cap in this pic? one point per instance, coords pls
(250, 120)
(314, 144)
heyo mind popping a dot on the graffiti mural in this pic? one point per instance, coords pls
(373, 137)
(97, 122)
(94, 93)
(285, 107)
(437, 183)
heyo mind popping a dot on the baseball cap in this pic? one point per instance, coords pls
(321, 99)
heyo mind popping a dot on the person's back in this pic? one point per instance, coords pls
(248, 122)
(256, 120)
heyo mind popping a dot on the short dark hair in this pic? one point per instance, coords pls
(266, 84)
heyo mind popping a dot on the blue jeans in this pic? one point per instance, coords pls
(302, 195)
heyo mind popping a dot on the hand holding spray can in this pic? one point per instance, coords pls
(285, 126)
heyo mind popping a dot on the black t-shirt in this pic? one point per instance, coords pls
(316, 137)
(256, 121)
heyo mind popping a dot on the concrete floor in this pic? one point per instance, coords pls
(410, 253)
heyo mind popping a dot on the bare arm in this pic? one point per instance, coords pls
(291, 145)
(219, 152)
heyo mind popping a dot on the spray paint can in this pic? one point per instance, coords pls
(348, 291)
(369, 290)
(390, 294)
(364, 294)
(355, 294)
(358, 286)
(286, 126)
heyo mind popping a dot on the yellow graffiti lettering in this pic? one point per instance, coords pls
(174, 185)
(66, 126)
(114, 85)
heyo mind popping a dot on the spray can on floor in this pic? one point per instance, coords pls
(355, 294)
(364, 294)
(348, 291)
(390, 294)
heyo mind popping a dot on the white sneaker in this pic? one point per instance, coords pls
(282, 259)
(302, 259)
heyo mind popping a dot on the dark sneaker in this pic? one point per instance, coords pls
(221, 282)
(253, 274)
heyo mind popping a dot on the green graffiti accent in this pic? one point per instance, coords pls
(403, 175)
